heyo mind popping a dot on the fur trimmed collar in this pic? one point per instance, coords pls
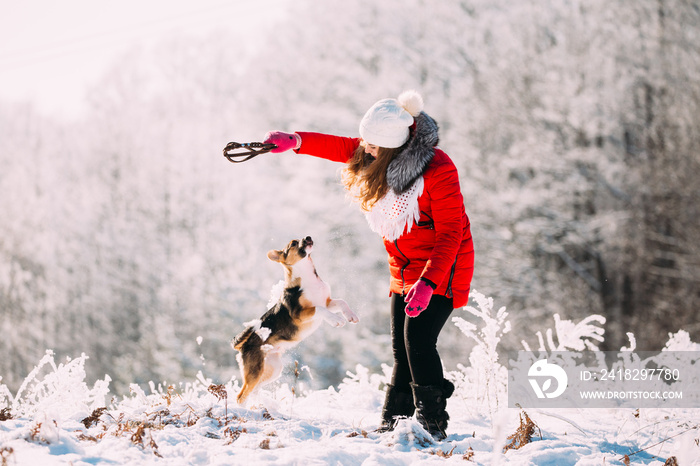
(412, 161)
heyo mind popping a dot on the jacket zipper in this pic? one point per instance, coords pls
(403, 280)
(452, 274)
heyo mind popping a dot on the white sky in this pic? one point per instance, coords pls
(51, 49)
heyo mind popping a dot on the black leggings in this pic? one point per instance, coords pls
(414, 342)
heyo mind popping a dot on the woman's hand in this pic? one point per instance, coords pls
(418, 298)
(283, 141)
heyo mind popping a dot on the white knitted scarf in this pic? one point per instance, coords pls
(393, 213)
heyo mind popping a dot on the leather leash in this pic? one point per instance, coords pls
(236, 152)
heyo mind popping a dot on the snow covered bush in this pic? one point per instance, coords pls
(485, 378)
(484, 382)
(58, 389)
(364, 387)
(680, 342)
(572, 336)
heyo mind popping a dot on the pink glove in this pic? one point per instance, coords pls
(418, 298)
(283, 141)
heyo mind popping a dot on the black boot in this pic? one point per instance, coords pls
(431, 402)
(397, 404)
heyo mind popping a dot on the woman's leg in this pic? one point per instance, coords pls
(398, 402)
(401, 376)
(420, 337)
(430, 389)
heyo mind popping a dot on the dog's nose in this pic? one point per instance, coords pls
(308, 241)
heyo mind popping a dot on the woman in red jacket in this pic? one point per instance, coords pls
(409, 191)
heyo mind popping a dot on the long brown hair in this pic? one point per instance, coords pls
(365, 177)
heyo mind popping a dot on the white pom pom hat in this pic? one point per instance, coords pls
(387, 122)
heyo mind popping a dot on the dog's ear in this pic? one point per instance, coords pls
(274, 255)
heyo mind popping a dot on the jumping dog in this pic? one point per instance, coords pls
(305, 303)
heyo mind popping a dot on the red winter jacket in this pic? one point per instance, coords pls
(439, 246)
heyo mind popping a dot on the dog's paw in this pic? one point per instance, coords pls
(352, 317)
(338, 321)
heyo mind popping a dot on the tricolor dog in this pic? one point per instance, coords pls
(305, 302)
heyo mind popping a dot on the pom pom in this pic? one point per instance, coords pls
(412, 102)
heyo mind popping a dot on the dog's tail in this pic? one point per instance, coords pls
(238, 342)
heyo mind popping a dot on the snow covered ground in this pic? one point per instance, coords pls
(191, 424)
(56, 418)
